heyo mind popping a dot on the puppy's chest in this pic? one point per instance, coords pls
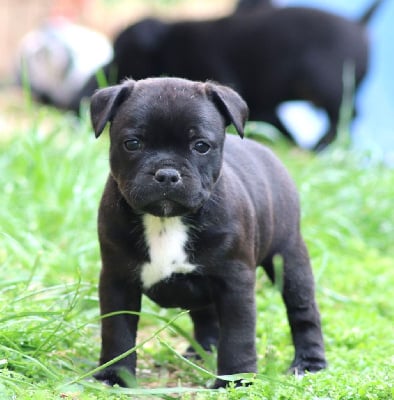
(165, 239)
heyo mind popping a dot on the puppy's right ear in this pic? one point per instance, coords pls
(105, 103)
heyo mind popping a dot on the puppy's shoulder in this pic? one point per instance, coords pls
(253, 162)
(246, 151)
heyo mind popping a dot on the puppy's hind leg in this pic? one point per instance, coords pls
(298, 293)
(206, 329)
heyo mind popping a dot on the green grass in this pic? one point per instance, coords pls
(52, 175)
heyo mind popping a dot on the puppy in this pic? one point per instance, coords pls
(269, 55)
(187, 215)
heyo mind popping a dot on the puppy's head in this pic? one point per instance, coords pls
(167, 138)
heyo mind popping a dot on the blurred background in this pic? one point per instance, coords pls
(373, 129)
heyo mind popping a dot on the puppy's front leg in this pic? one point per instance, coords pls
(118, 333)
(235, 302)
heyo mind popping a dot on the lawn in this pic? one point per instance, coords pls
(52, 175)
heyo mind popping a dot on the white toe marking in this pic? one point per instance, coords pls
(166, 239)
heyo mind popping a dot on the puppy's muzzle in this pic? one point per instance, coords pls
(168, 177)
(166, 194)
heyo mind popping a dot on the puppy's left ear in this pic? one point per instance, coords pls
(105, 103)
(230, 104)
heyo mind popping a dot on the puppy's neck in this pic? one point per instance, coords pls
(165, 239)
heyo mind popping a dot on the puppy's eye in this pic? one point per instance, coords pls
(133, 144)
(202, 147)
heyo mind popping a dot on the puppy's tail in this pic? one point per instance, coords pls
(368, 14)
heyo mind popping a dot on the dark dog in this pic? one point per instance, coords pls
(186, 216)
(248, 5)
(269, 56)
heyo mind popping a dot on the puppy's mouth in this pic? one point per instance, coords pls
(166, 208)
(166, 204)
(164, 193)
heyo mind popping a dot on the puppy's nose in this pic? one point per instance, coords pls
(168, 176)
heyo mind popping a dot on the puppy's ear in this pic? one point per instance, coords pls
(230, 104)
(105, 103)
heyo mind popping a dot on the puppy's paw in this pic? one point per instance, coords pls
(192, 354)
(219, 383)
(116, 376)
(300, 366)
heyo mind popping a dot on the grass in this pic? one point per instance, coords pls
(52, 175)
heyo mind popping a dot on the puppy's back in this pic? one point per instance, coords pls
(255, 169)
(248, 157)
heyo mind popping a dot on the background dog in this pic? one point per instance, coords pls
(270, 55)
(187, 215)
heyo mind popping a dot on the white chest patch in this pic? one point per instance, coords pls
(165, 238)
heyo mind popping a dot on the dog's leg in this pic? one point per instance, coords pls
(328, 96)
(206, 329)
(304, 319)
(118, 332)
(235, 303)
(327, 138)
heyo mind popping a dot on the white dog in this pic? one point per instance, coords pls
(57, 59)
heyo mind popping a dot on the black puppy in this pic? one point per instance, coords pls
(269, 55)
(186, 216)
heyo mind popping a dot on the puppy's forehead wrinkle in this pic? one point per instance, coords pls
(171, 100)
(172, 112)
(170, 89)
